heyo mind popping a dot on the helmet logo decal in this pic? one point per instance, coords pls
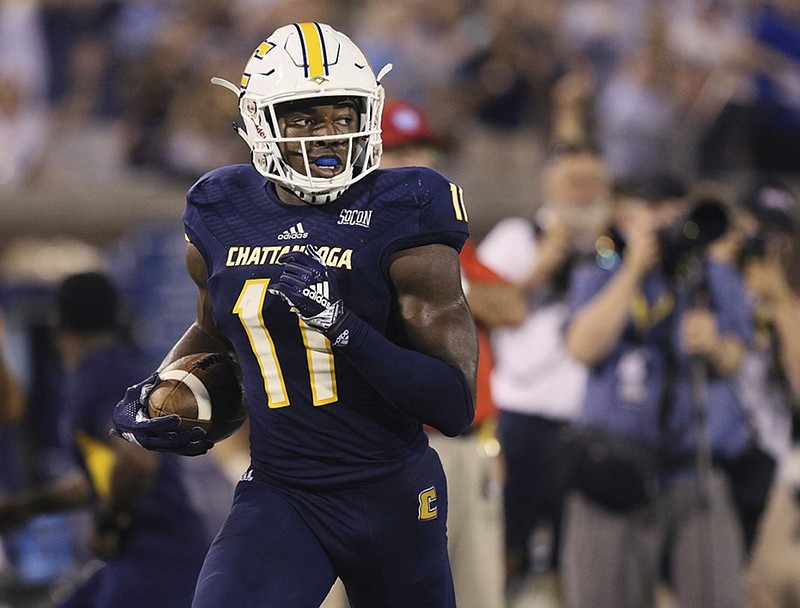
(315, 55)
(263, 48)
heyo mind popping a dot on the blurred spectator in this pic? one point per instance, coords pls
(254, 17)
(776, 125)
(29, 268)
(499, 106)
(408, 137)
(536, 385)
(23, 109)
(175, 122)
(23, 130)
(601, 31)
(662, 332)
(12, 400)
(573, 96)
(711, 44)
(506, 80)
(474, 530)
(79, 55)
(22, 47)
(153, 78)
(196, 139)
(435, 35)
(637, 112)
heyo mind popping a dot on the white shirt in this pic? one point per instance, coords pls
(533, 373)
(766, 403)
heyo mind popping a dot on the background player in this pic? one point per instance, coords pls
(145, 528)
(338, 287)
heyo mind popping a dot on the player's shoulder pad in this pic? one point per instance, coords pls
(415, 187)
(216, 185)
(433, 207)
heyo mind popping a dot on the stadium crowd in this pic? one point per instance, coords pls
(620, 113)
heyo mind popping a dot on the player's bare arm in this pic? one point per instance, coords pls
(433, 307)
(202, 336)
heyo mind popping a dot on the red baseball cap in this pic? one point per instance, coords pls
(406, 123)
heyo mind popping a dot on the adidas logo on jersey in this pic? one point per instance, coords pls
(319, 293)
(343, 339)
(295, 232)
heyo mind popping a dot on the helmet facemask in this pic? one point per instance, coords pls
(359, 152)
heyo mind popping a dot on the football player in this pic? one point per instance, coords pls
(337, 285)
(146, 529)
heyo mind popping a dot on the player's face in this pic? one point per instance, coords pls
(326, 158)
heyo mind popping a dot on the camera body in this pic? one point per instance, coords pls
(705, 222)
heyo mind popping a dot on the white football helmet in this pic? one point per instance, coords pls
(309, 61)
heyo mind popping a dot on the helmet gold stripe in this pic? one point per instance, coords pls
(314, 52)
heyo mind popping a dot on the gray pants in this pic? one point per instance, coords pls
(612, 560)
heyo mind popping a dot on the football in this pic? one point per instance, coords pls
(205, 390)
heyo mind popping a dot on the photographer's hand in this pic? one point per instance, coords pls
(699, 333)
(700, 337)
(778, 305)
(642, 251)
(598, 325)
(766, 279)
(553, 251)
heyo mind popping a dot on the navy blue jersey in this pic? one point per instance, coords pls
(315, 421)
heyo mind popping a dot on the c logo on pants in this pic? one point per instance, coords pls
(427, 504)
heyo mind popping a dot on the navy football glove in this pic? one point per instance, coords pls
(310, 288)
(132, 423)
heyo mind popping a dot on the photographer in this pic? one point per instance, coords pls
(662, 329)
(769, 385)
